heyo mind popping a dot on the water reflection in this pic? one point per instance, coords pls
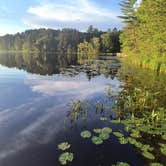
(33, 107)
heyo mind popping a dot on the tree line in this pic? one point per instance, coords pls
(144, 36)
(64, 41)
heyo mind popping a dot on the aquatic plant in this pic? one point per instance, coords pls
(63, 146)
(163, 149)
(65, 158)
(135, 133)
(77, 106)
(156, 164)
(147, 148)
(104, 136)
(86, 134)
(123, 140)
(118, 134)
(97, 130)
(122, 164)
(163, 137)
(97, 140)
(148, 155)
(106, 130)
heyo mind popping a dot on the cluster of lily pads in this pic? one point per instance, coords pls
(102, 135)
(65, 157)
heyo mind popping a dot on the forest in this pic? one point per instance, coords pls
(144, 35)
(66, 40)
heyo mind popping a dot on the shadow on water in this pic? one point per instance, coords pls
(36, 111)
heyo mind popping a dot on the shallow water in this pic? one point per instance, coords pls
(35, 118)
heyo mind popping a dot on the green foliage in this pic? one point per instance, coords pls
(144, 36)
(148, 155)
(65, 158)
(104, 136)
(118, 134)
(123, 140)
(122, 164)
(156, 164)
(163, 149)
(86, 134)
(97, 130)
(106, 130)
(63, 146)
(97, 140)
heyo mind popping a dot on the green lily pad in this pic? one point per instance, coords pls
(97, 130)
(104, 136)
(122, 164)
(123, 140)
(147, 148)
(135, 134)
(63, 146)
(163, 148)
(86, 134)
(163, 137)
(106, 130)
(65, 158)
(148, 155)
(97, 140)
(118, 134)
(156, 164)
(132, 140)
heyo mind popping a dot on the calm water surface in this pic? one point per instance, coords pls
(35, 116)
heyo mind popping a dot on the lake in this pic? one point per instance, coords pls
(36, 110)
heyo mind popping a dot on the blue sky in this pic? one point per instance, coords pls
(19, 15)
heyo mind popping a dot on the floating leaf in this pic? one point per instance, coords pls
(97, 140)
(63, 146)
(123, 140)
(163, 148)
(118, 134)
(106, 130)
(148, 155)
(147, 148)
(132, 140)
(156, 164)
(65, 158)
(122, 164)
(135, 134)
(86, 134)
(97, 130)
(104, 136)
(163, 137)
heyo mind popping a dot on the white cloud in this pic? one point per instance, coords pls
(71, 13)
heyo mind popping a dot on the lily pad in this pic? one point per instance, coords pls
(63, 146)
(163, 148)
(148, 155)
(106, 130)
(65, 158)
(135, 134)
(118, 134)
(156, 164)
(97, 140)
(97, 130)
(123, 140)
(86, 134)
(122, 164)
(104, 136)
(163, 137)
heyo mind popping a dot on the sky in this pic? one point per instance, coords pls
(20, 15)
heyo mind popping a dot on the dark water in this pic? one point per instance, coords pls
(35, 105)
